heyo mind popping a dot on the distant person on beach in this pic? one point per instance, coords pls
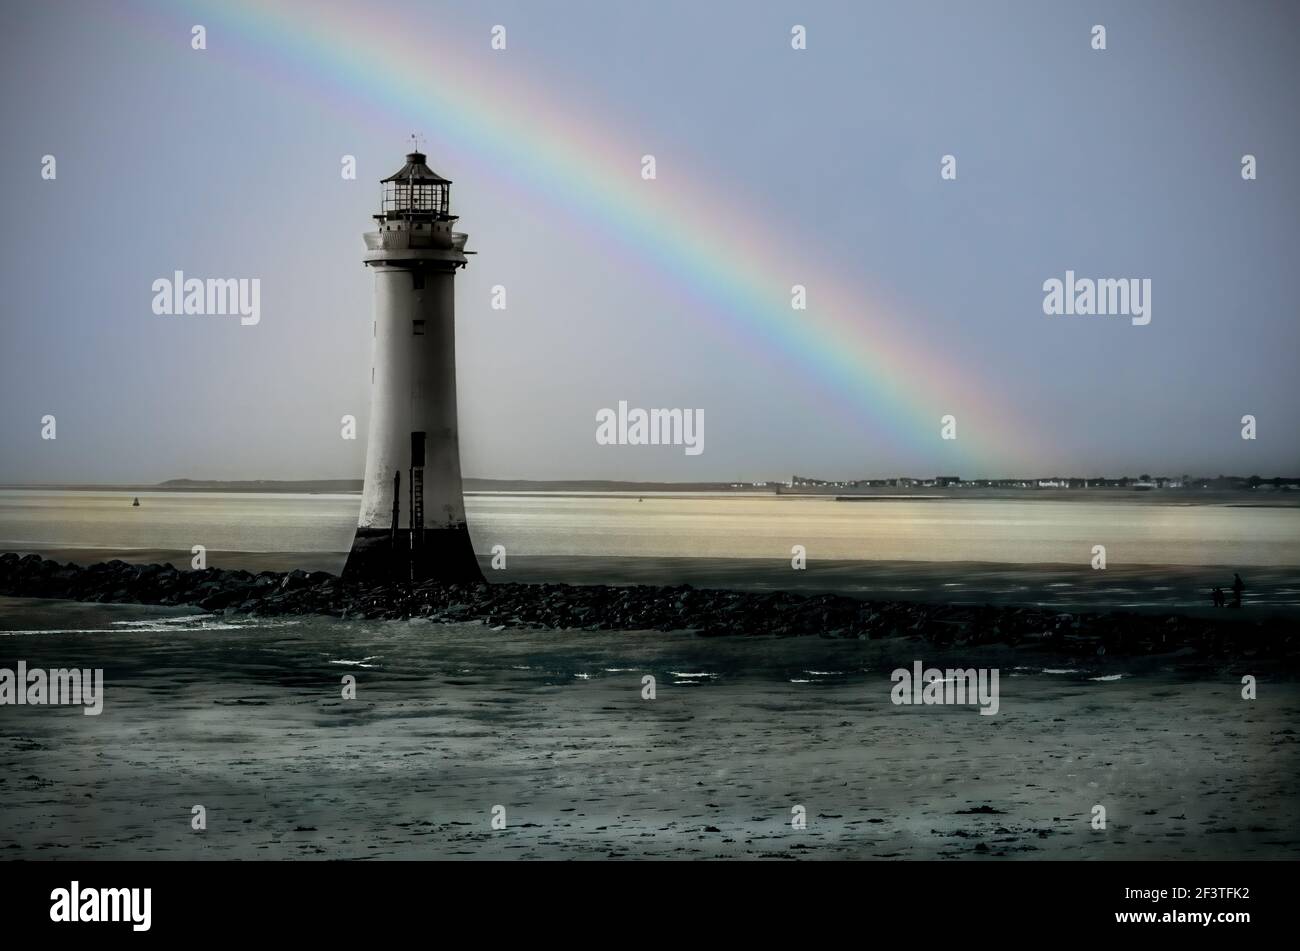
(1219, 598)
(1238, 586)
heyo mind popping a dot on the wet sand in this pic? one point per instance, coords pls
(245, 718)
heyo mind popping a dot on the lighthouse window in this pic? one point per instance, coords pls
(417, 328)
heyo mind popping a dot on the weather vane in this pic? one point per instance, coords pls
(417, 142)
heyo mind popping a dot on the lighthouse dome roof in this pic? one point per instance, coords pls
(416, 171)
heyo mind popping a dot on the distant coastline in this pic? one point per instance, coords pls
(1227, 490)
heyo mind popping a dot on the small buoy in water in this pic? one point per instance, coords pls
(136, 503)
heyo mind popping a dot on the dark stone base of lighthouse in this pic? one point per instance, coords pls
(381, 555)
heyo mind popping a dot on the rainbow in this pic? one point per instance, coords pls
(858, 350)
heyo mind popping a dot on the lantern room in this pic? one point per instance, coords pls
(416, 191)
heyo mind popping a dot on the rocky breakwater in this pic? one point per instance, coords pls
(708, 612)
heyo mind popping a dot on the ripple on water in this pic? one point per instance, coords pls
(196, 622)
(363, 662)
(688, 679)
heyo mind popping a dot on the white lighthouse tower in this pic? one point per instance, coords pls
(412, 522)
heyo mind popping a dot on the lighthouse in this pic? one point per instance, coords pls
(412, 521)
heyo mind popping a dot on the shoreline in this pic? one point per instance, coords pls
(706, 612)
(1136, 587)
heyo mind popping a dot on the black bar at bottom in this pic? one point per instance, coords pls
(968, 902)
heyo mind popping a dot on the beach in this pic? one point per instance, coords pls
(245, 717)
(471, 706)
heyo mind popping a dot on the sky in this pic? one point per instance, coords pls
(774, 167)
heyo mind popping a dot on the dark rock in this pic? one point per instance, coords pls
(294, 580)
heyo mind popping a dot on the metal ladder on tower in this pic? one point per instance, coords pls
(417, 503)
(417, 507)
